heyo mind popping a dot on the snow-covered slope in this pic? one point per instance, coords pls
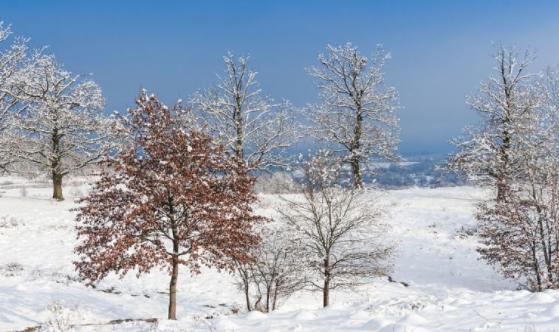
(449, 288)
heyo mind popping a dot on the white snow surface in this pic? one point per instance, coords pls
(450, 289)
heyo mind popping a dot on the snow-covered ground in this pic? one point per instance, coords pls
(450, 289)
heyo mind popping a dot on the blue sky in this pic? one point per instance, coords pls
(441, 50)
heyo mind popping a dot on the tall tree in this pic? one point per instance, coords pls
(175, 198)
(520, 234)
(338, 227)
(251, 126)
(506, 103)
(517, 151)
(63, 128)
(357, 112)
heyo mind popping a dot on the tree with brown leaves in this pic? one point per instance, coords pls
(175, 198)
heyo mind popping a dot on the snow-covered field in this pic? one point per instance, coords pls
(449, 288)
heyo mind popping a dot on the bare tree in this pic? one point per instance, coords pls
(250, 125)
(63, 128)
(357, 112)
(339, 228)
(506, 102)
(276, 270)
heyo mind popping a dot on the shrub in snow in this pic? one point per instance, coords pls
(61, 319)
(276, 270)
(10, 222)
(175, 198)
(11, 269)
(466, 231)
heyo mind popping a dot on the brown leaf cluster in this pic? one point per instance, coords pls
(173, 196)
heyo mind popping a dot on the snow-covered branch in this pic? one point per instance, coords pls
(357, 111)
(252, 126)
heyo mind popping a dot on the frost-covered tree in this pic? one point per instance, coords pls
(277, 268)
(252, 126)
(338, 226)
(356, 115)
(520, 233)
(175, 198)
(12, 57)
(506, 103)
(62, 128)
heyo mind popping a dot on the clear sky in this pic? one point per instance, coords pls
(441, 50)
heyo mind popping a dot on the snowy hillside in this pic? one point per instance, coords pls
(449, 288)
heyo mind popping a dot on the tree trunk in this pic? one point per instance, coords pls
(246, 286)
(275, 301)
(503, 177)
(536, 267)
(56, 176)
(326, 287)
(326, 293)
(239, 139)
(356, 171)
(501, 191)
(356, 150)
(268, 294)
(505, 148)
(173, 290)
(57, 186)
